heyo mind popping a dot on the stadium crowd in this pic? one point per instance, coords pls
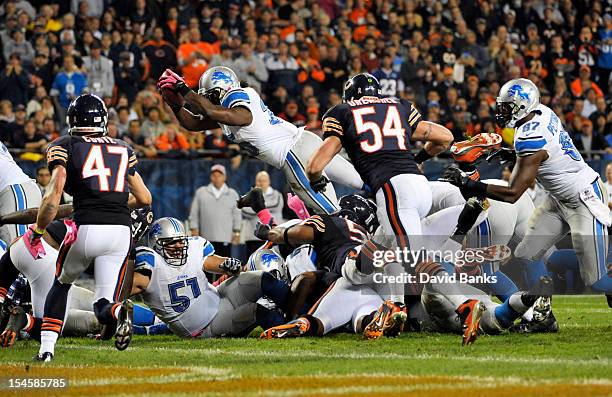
(449, 57)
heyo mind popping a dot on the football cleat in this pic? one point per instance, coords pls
(548, 325)
(17, 321)
(253, 199)
(471, 150)
(493, 253)
(123, 335)
(609, 299)
(470, 312)
(389, 321)
(292, 329)
(44, 357)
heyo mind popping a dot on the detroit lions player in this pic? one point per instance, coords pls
(169, 274)
(17, 192)
(245, 119)
(577, 201)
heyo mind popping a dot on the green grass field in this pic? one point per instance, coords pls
(575, 362)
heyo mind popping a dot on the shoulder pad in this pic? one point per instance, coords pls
(235, 97)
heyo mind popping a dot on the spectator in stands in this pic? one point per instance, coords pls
(292, 114)
(334, 68)
(14, 131)
(214, 214)
(142, 145)
(250, 68)
(18, 44)
(171, 143)
(225, 58)
(193, 57)
(153, 126)
(99, 70)
(123, 119)
(587, 140)
(309, 69)
(30, 139)
(274, 202)
(43, 178)
(35, 103)
(14, 82)
(160, 53)
(584, 82)
(68, 83)
(49, 129)
(216, 140)
(127, 77)
(283, 69)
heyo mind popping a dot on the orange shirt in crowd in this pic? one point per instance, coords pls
(192, 72)
(316, 72)
(185, 50)
(163, 143)
(576, 88)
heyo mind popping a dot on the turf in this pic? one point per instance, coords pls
(575, 362)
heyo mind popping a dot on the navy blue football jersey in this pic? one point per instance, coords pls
(97, 170)
(376, 135)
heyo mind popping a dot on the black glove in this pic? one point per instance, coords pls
(249, 148)
(504, 154)
(320, 184)
(468, 187)
(262, 231)
(231, 266)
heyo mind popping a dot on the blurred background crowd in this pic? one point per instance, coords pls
(450, 57)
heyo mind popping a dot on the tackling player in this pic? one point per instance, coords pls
(99, 172)
(245, 119)
(577, 200)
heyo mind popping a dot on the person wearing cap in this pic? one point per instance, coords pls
(160, 53)
(41, 70)
(19, 45)
(99, 71)
(292, 114)
(587, 140)
(584, 82)
(214, 215)
(14, 82)
(68, 84)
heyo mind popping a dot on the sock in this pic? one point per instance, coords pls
(47, 341)
(268, 318)
(106, 312)
(505, 314)
(396, 289)
(604, 284)
(33, 327)
(533, 271)
(143, 315)
(277, 290)
(504, 287)
(265, 216)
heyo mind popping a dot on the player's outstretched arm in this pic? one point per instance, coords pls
(51, 199)
(236, 116)
(437, 138)
(29, 215)
(292, 235)
(140, 195)
(324, 154)
(222, 265)
(194, 123)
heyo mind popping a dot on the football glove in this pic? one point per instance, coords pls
(231, 266)
(262, 231)
(468, 187)
(172, 81)
(320, 184)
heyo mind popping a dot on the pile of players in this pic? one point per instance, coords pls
(333, 270)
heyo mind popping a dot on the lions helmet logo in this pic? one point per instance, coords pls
(267, 259)
(220, 76)
(156, 229)
(517, 89)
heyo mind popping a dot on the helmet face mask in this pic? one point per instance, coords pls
(504, 112)
(168, 238)
(87, 115)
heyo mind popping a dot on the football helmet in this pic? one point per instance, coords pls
(517, 98)
(168, 238)
(359, 210)
(87, 115)
(268, 261)
(360, 85)
(142, 219)
(216, 82)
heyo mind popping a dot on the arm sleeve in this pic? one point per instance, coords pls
(57, 153)
(234, 98)
(527, 143)
(132, 161)
(332, 123)
(414, 116)
(145, 260)
(208, 248)
(317, 223)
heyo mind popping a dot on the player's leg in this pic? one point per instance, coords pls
(110, 277)
(249, 287)
(590, 241)
(16, 198)
(324, 202)
(8, 274)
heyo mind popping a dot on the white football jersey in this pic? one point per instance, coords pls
(272, 136)
(10, 173)
(180, 296)
(564, 174)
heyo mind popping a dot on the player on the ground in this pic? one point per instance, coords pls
(17, 192)
(577, 201)
(170, 275)
(99, 172)
(245, 119)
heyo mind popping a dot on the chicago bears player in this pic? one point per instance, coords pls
(377, 134)
(169, 273)
(17, 192)
(577, 201)
(245, 119)
(99, 172)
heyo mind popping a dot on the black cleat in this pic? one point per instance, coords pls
(125, 328)
(253, 199)
(609, 298)
(44, 357)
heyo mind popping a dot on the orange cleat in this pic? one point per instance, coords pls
(470, 312)
(292, 329)
(389, 321)
(469, 151)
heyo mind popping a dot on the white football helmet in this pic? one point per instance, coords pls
(168, 238)
(517, 98)
(268, 261)
(216, 82)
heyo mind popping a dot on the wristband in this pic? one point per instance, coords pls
(39, 231)
(422, 156)
(183, 89)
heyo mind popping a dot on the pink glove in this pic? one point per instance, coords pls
(33, 242)
(71, 232)
(298, 206)
(169, 80)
